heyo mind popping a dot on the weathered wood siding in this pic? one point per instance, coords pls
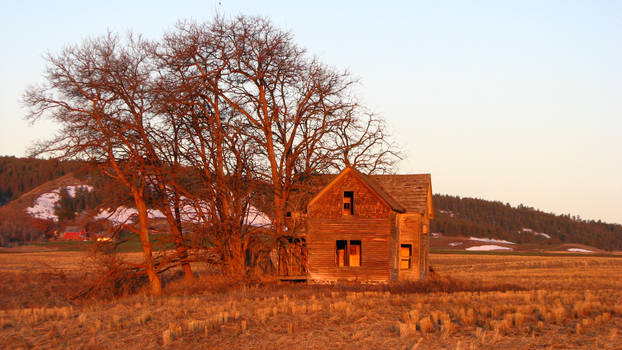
(425, 247)
(410, 227)
(395, 247)
(375, 249)
(410, 233)
(377, 220)
(370, 223)
(366, 203)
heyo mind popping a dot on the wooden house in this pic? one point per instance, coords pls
(370, 228)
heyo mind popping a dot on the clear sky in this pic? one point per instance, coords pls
(516, 101)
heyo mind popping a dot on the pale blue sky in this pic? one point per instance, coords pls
(517, 101)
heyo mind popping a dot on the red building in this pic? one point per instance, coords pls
(74, 233)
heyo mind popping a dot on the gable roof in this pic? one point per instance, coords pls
(403, 193)
(411, 190)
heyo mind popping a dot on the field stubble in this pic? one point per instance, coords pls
(540, 302)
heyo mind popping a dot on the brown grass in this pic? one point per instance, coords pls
(489, 302)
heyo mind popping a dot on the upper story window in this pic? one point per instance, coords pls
(348, 203)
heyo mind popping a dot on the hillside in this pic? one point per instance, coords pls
(54, 204)
(24, 180)
(17, 226)
(20, 175)
(455, 216)
(83, 201)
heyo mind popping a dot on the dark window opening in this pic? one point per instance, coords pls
(355, 253)
(406, 253)
(341, 253)
(348, 253)
(348, 203)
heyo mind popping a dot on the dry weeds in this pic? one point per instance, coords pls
(555, 303)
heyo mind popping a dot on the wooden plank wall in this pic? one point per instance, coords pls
(410, 233)
(425, 247)
(395, 247)
(375, 250)
(370, 224)
(366, 203)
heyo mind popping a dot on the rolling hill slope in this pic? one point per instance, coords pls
(456, 216)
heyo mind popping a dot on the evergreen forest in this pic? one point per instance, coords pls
(453, 215)
(522, 224)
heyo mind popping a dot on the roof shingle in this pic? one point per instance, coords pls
(411, 190)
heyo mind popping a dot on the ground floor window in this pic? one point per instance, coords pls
(348, 253)
(355, 253)
(341, 253)
(406, 253)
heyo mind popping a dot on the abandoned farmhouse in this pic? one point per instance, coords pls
(368, 228)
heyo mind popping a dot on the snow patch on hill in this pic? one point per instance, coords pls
(125, 215)
(257, 218)
(490, 240)
(45, 204)
(579, 250)
(529, 230)
(488, 247)
(448, 212)
(188, 213)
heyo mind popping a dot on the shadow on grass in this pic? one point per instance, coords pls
(267, 287)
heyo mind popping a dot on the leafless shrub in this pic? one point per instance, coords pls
(519, 319)
(426, 325)
(114, 279)
(559, 313)
(406, 329)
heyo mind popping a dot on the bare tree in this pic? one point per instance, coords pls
(231, 105)
(192, 64)
(98, 93)
(362, 142)
(300, 113)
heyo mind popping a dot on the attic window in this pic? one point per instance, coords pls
(348, 203)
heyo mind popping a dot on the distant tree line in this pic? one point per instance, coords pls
(476, 217)
(20, 175)
(453, 215)
(82, 199)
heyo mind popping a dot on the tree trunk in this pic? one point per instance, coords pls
(143, 232)
(235, 259)
(180, 246)
(279, 214)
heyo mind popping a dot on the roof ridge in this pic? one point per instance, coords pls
(395, 204)
(411, 190)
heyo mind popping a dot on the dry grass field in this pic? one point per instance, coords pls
(473, 302)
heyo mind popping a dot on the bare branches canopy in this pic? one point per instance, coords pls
(204, 115)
